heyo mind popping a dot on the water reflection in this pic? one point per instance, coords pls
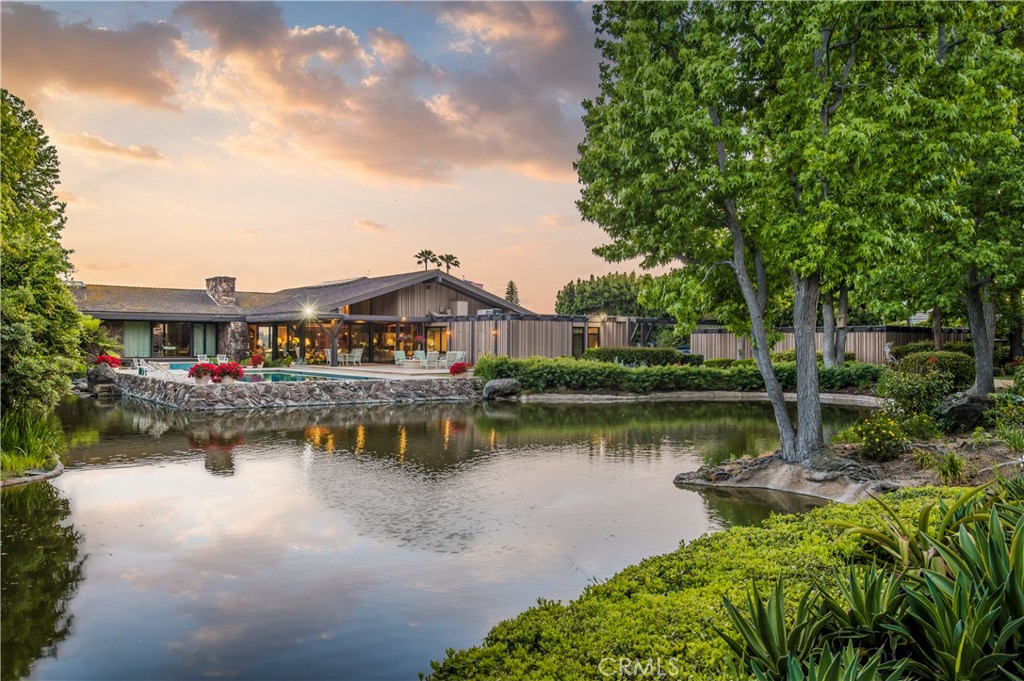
(41, 569)
(750, 506)
(361, 542)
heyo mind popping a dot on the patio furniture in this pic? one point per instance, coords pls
(420, 356)
(160, 369)
(202, 359)
(222, 359)
(354, 357)
(453, 357)
(400, 359)
(432, 359)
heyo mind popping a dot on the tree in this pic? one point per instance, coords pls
(427, 258)
(449, 261)
(39, 329)
(512, 292)
(613, 294)
(768, 151)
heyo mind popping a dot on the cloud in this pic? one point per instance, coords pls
(371, 104)
(371, 226)
(97, 143)
(132, 65)
(559, 222)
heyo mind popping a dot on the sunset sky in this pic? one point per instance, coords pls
(291, 143)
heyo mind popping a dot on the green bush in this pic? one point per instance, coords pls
(910, 394)
(1000, 353)
(881, 436)
(691, 360)
(749, 362)
(719, 362)
(950, 467)
(29, 440)
(921, 427)
(960, 367)
(669, 606)
(790, 356)
(901, 351)
(538, 374)
(635, 357)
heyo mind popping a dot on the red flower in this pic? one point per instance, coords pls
(231, 369)
(112, 362)
(931, 360)
(458, 368)
(257, 359)
(204, 369)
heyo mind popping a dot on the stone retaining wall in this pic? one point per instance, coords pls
(188, 396)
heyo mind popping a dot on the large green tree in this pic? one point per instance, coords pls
(40, 324)
(614, 294)
(769, 151)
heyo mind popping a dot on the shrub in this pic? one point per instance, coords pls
(923, 458)
(29, 440)
(920, 427)
(749, 362)
(1011, 367)
(1013, 436)
(1000, 353)
(882, 437)
(913, 393)
(458, 368)
(691, 360)
(854, 374)
(634, 357)
(490, 367)
(719, 362)
(901, 351)
(790, 356)
(960, 367)
(950, 467)
(1008, 411)
(1018, 384)
(316, 358)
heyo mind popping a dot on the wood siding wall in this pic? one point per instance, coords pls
(868, 344)
(525, 337)
(421, 299)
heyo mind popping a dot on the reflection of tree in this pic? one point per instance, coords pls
(749, 506)
(40, 571)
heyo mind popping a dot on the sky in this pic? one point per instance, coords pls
(291, 143)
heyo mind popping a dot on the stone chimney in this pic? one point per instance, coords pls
(221, 289)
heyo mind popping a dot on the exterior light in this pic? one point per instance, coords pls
(308, 311)
(494, 332)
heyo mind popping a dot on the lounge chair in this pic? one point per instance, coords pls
(161, 370)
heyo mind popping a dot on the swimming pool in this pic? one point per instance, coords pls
(279, 375)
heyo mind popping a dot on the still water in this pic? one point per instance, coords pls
(346, 543)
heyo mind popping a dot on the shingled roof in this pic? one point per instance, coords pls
(174, 304)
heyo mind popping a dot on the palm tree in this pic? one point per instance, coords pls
(426, 258)
(449, 261)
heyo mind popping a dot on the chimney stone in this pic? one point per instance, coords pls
(221, 289)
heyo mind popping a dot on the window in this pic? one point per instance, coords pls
(204, 339)
(577, 341)
(593, 336)
(137, 339)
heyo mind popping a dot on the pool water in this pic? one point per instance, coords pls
(279, 375)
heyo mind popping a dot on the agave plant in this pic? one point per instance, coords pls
(846, 666)
(868, 600)
(767, 641)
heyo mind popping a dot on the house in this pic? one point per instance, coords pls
(428, 310)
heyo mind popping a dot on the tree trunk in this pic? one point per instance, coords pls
(810, 440)
(937, 327)
(835, 329)
(756, 302)
(981, 318)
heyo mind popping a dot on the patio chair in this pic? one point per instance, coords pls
(357, 356)
(202, 359)
(453, 357)
(222, 359)
(161, 369)
(419, 355)
(400, 358)
(432, 359)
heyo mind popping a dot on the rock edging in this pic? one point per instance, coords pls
(188, 396)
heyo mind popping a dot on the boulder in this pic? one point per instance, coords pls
(501, 388)
(100, 375)
(964, 413)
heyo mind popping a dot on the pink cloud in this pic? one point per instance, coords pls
(96, 143)
(132, 65)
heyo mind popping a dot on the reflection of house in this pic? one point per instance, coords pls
(426, 310)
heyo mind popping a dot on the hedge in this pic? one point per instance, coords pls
(957, 365)
(1000, 354)
(790, 356)
(650, 357)
(668, 606)
(719, 362)
(538, 374)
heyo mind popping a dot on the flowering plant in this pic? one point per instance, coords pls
(418, 339)
(458, 368)
(230, 370)
(112, 362)
(256, 359)
(202, 369)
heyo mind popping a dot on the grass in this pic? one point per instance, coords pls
(29, 441)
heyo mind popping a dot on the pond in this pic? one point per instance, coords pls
(345, 543)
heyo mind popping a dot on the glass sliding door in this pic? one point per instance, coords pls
(138, 339)
(204, 339)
